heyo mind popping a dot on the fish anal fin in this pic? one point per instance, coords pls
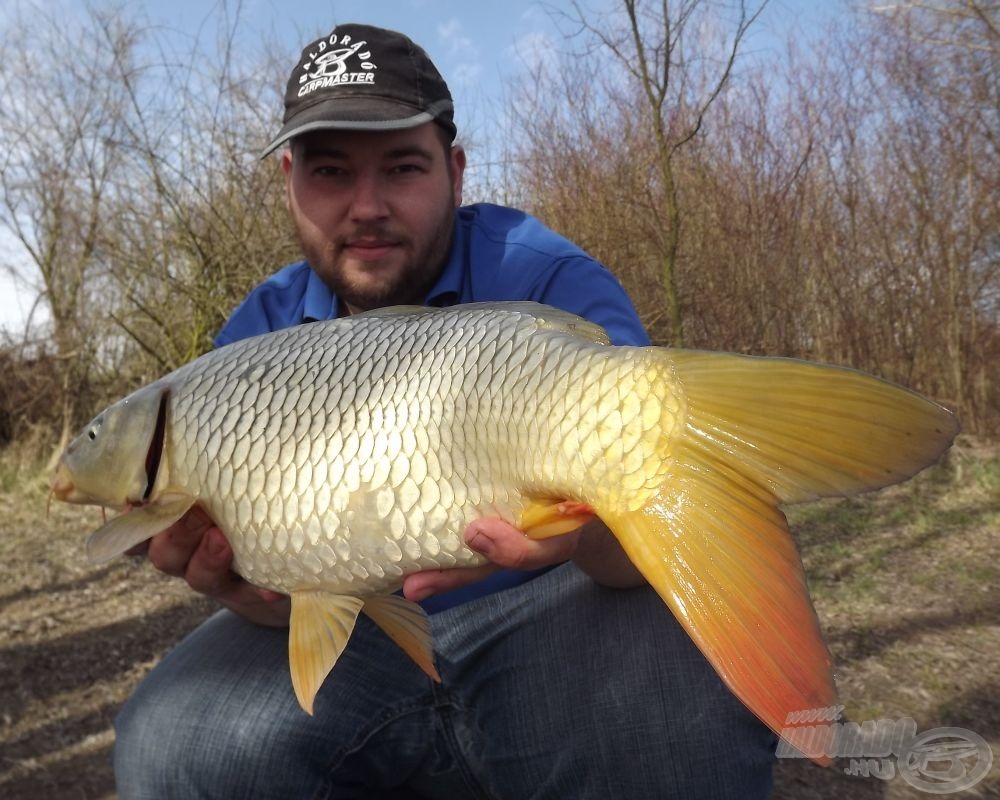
(136, 526)
(721, 556)
(319, 628)
(546, 517)
(407, 625)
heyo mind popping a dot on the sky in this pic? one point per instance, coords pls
(478, 45)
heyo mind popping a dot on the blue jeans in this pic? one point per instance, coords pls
(558, 688)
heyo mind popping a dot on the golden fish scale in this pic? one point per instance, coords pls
(349, 456)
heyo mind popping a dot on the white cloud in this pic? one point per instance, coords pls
(459, 44)
(535, 51)
(464, 62)
(466, 74)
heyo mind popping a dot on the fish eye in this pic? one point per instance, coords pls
(94, 428)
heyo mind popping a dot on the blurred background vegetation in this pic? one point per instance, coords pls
(841, 204)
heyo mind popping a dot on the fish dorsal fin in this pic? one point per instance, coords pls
(407, 625)
(318, 631)
(394, 311)
(136, 526)
(546, 317)
(552, 319)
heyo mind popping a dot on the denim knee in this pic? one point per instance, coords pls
(145, 753)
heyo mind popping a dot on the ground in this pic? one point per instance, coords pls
(905, 585)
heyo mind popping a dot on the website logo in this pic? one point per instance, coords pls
(938, 761)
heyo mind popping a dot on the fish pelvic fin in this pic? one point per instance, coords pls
(319, 628)
(407, 625)
(711, 539)
(136, 526)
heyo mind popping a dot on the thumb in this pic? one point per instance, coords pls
(505, 545)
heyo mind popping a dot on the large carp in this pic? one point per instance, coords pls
(337, 457)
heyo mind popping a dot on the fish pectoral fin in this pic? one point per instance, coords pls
(407, 625)
(136, 526)
(545, 517)
(319, 628)
(720, 555)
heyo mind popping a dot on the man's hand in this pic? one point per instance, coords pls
(193, 548)
(592, 547)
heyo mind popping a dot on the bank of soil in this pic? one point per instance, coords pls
(905, 584)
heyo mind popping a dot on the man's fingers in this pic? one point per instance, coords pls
(505, 545)
(421, 585)
(208, 570)
(171, 550)
(141, 549)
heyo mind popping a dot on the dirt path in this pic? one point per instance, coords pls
(905, 584)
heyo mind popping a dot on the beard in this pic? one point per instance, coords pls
(374, 286)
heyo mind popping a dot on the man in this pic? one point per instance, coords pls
(564, 676)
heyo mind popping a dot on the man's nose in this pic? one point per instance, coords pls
(368, 202)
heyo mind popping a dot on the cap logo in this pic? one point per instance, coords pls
(329, 67)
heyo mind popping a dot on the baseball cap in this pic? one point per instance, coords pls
(359, 77)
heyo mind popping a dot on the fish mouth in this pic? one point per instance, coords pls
(62, 487)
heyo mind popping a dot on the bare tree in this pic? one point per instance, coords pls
(130, 175)
(203, 219)
(912, 164)
(677, 60)
(841, 207)
(57, 159)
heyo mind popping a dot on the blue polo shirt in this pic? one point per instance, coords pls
(497, 254)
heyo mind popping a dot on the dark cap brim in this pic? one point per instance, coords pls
(359, 114)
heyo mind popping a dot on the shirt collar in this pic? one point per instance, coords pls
(448, 288)
(319, 302)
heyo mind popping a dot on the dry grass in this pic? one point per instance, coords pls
(904, 582)
(905, 585)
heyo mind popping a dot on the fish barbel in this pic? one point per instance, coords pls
(337, 457)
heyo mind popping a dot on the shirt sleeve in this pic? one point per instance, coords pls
(506, 254)
(583, 286)
(272, 305)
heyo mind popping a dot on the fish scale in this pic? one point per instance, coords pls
(338, 457)
(265, 468)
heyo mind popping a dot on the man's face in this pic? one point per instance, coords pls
(374, 211)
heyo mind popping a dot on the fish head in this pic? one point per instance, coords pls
(115, 459)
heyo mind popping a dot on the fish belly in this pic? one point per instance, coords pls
(346, 459)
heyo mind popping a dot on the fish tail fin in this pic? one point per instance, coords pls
(711, 540)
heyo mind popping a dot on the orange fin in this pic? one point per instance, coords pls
(319, 628)
(745, 435)
(802, 430)
(723, 560)
(407, 625)
(546, 517)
